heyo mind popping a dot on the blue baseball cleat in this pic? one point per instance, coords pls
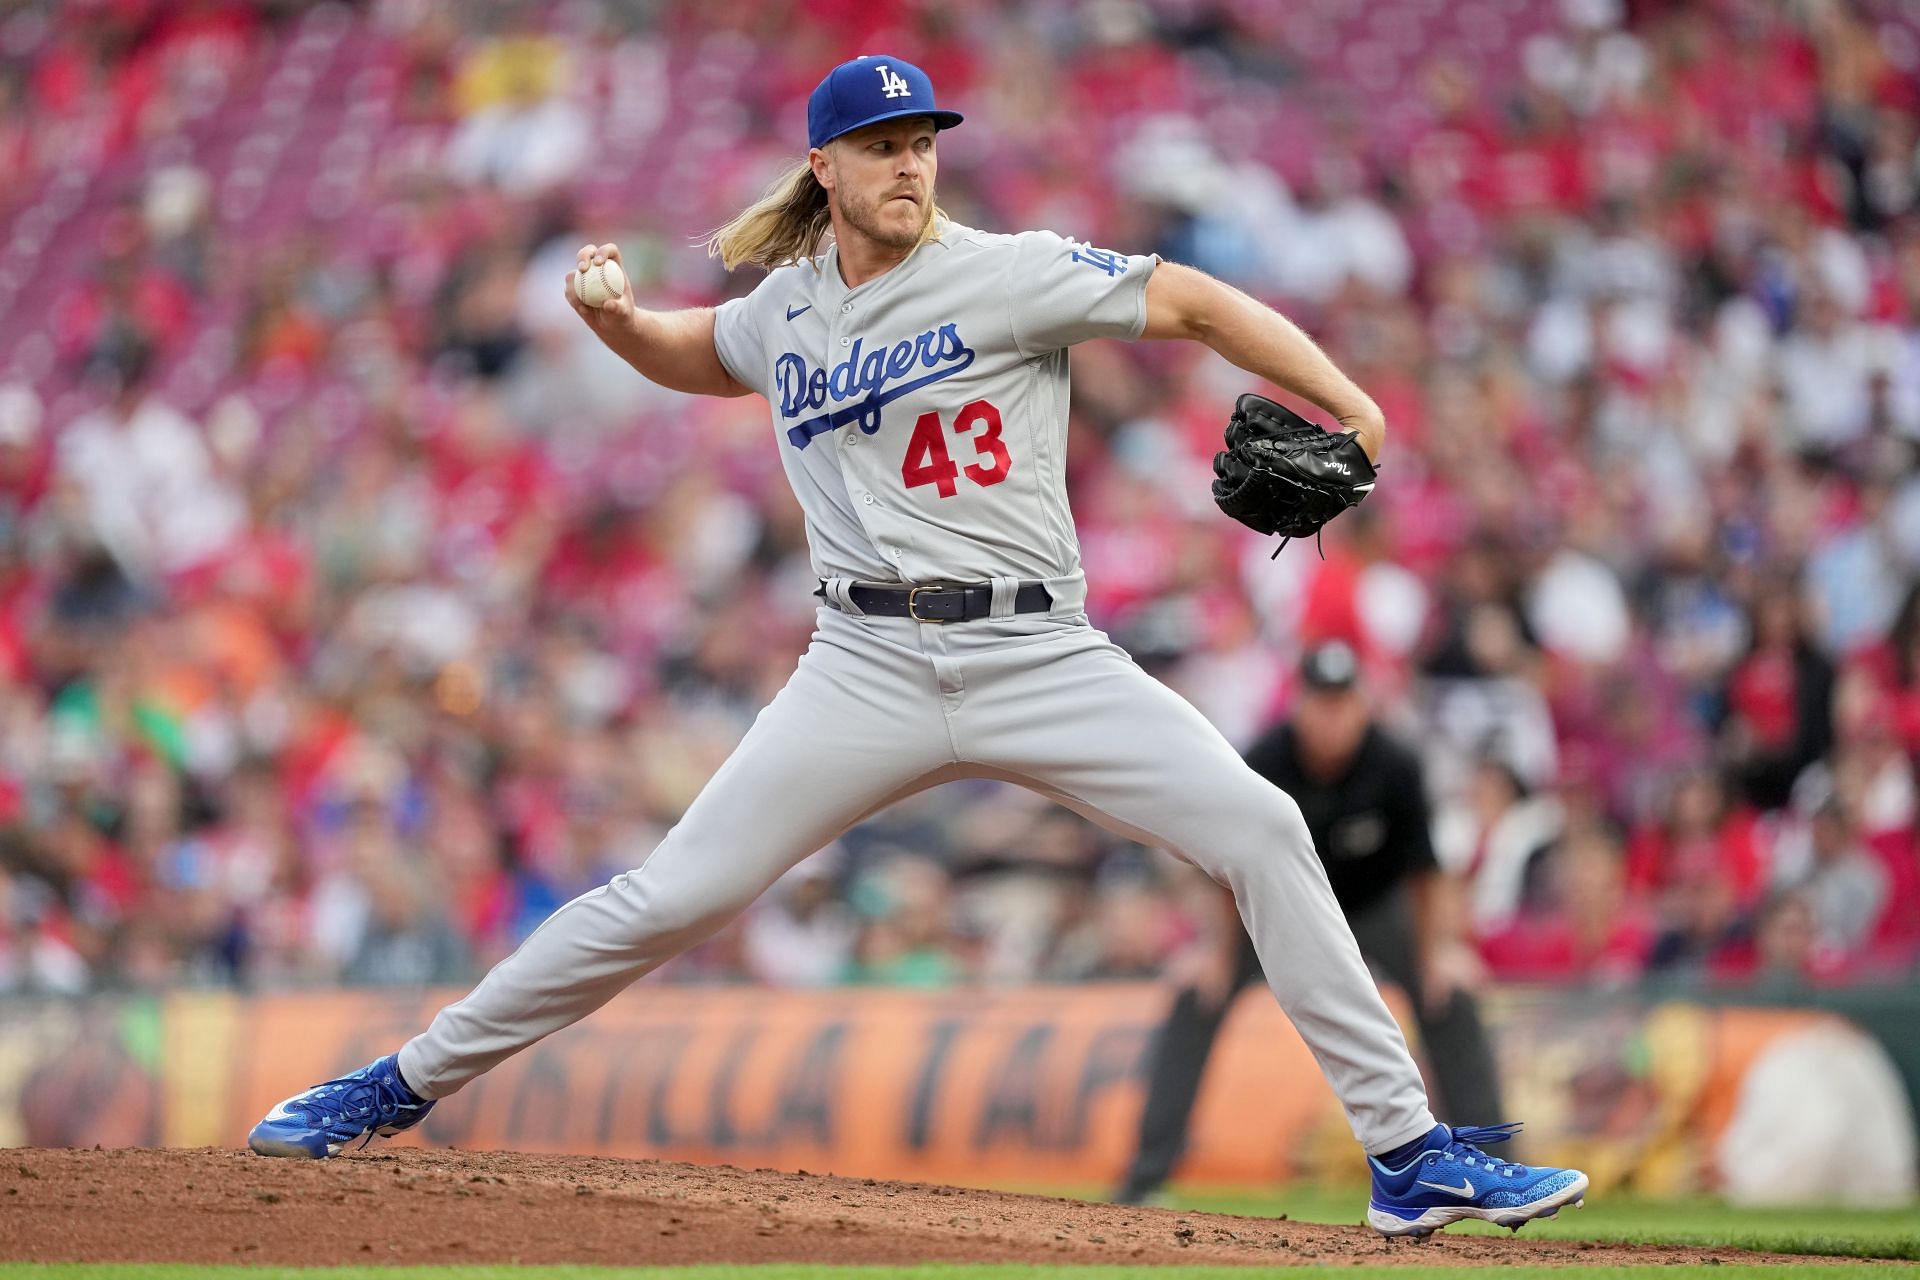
(319, 1122)
(1450, 1178)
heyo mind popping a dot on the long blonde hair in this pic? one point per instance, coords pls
(786, 224)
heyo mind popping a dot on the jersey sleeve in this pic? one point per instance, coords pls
(736, 340)
(1061, 291)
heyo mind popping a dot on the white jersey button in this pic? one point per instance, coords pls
(846, 342)
(868, 499)
(848, 309)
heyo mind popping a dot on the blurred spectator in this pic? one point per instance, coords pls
(906, 936)
(34, 959)
(143, 481)
(377, 914)
(800, 934)
(1787, 947)
(1484, 696)
(1586, 930)
(1778, 699)
(1026, 873)
(1490, 838)
(1892, 670)
(1844, 886)
(1827, 368)
(25, 456)
(1703, 866)
(1704, 833)
(519, 133)
(1124, 934)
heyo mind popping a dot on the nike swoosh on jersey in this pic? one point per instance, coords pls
(1464, 1189)
(793, 312)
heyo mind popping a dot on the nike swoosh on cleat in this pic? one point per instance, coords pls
(798, 311)
(1464, 1189)
(280, 1112)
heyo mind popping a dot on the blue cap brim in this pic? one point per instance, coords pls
(941, 120)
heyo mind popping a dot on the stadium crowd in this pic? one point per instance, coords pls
(357, 609)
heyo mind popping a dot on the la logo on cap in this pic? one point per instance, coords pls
(892, 85)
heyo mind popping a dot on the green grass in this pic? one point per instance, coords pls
(776, 1271)
(1847, 1233)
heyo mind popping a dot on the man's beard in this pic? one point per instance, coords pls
(864, 216)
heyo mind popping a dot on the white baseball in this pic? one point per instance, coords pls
(600, 284)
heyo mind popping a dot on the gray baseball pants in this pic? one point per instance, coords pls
(880, 708)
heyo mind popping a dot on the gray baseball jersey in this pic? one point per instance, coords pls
(922, 417)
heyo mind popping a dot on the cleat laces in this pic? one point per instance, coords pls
(1467, 1140)
(349, 1098)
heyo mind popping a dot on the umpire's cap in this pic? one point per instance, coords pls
(1331, 665)
(870, 89)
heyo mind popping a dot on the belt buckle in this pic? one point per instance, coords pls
(913, 594)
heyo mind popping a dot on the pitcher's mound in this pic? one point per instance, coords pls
(413, 1206)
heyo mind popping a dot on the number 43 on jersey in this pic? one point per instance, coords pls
(928, 462)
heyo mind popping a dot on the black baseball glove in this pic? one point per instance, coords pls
(1282, 474)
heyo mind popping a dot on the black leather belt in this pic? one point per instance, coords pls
(943, 601)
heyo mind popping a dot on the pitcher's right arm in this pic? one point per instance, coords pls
(672, 348)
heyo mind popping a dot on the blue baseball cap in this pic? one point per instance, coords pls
(868, 90)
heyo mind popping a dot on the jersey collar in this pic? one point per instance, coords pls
(834, 285)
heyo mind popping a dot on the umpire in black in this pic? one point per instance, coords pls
(1365, 803)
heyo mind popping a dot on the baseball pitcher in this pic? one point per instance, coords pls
(917, 372)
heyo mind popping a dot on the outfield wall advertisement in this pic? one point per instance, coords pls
(1036, 1087)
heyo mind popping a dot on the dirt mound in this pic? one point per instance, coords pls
(409, 1206)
